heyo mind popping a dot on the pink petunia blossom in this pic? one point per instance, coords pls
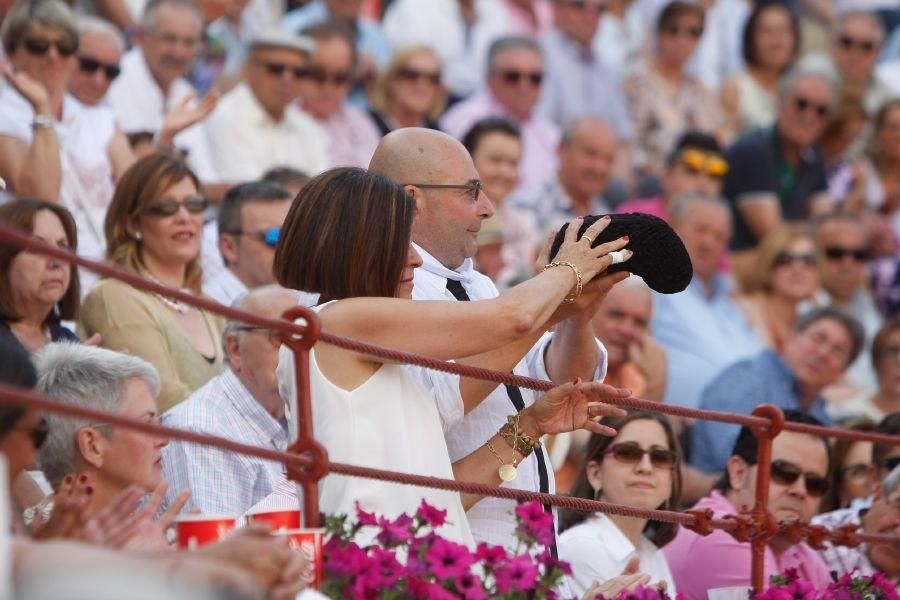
(396, 532)
(363, 517)
(448, 560)
(490, 556)
(470, 587)
(520, 573)
(433, 516)
(343, 561)
(388, 568)
(535, 522)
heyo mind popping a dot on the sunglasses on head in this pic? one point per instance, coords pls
(514, 77)
(631, 454)
(38, 433)
(804, 104)
(92, 65)
(322, 76)
(850, 43)
(711, 164)
(786, 258)
(838, 253)
(40, 46)
(168, 207)
(787, 473)
(676, 31)
(409, 74)
(278, 69)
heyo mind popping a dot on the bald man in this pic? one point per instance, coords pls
(241, 404)
(447, 222)
(586, 153)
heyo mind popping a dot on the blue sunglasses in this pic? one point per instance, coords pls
(268, 236)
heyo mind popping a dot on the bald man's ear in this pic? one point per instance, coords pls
(417, 195)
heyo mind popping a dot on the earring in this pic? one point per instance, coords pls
(597, 494)
(138, 236)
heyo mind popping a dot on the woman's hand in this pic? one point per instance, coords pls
(33, 90)
(629, 580)
(122, 525)
(184, 114)
(590, 261)
(71, 512)
(573, 406)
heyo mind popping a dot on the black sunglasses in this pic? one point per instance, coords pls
(322, 76)
(38, 433)
(632, 454)
(168, 207)
(787, 473)
(838, 253)
(40, 46)
(413, 75)
(92, 65)
(804, 104)
(475, 187)
(849, 43)
(598, 7)
(675, 31)
(514, 77)
(268, 236)
(278, 69)
(786, 258)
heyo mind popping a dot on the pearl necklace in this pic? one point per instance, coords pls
(176, 305)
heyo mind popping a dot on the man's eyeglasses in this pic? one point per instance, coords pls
(168, 207)
(698, 161)
(92, 65)
(38, 433)
(864, 46)
(273, 335)
(474, 188)
(631, 454)
(277, 70)
(787, 473)
(786, 258)
(321, 76)
(268, 236)
(40, 46)
(804, 104)
(513, 77)
(838, 253)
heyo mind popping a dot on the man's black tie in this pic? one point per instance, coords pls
(515, 396)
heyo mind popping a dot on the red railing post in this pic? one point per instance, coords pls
(766, 527)
(306, 442)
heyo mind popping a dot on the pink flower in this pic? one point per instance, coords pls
(519, 573)
(490, 556)
(396, 532)
(433, 516)
(550, 562)
(535, 522)
(343, 560)
(470, 587)
(418, 588)
(387, 567)
(365, 518)
(448, 560)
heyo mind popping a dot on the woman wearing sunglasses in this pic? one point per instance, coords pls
(640, 467)
(154, 229)
(53, 147)
(409, 92)
(786, 275)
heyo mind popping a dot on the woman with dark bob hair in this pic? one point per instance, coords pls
(347, 237)
(36, 291)
(153, 228)
(640, 466)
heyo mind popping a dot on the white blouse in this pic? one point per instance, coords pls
(598, 550)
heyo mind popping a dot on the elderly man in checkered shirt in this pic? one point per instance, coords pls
(882, 518)
(243, 405)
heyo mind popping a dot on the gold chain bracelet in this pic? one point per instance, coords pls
(579, 280)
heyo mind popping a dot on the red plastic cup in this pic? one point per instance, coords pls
(279, 520)
(310, 543)
(195, 531)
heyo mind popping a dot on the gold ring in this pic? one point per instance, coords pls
(589, 239)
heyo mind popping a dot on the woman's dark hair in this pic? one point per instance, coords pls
(748, 47)
(840, 449)
(346, 235)
(15, 369)
(658, 532)
(677, 9)
(485, 127)
(747, 445)
(21, 213)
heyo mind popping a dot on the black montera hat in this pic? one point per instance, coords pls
(660, 257)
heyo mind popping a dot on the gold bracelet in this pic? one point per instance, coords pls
(507, 471)
(579, 280)
(517, 439)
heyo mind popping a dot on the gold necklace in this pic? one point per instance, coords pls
(176, 305)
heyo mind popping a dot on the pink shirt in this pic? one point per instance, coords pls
(540, 137)
(353, 137)
(701, 563)
(655, 206)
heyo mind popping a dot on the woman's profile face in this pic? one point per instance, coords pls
(17, 446)
(171, 239)
(642, 483)
(413, 261)
(416, 84)
(36, 280)
(46, 54)
(794, 275)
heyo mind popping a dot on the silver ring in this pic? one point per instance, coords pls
(617, 256)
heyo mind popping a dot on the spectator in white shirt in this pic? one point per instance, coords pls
(639, 467)
(249, 223)
(152, 80)
(100, 48)
(257, 125)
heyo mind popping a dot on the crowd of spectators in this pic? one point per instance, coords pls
(341, 153)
